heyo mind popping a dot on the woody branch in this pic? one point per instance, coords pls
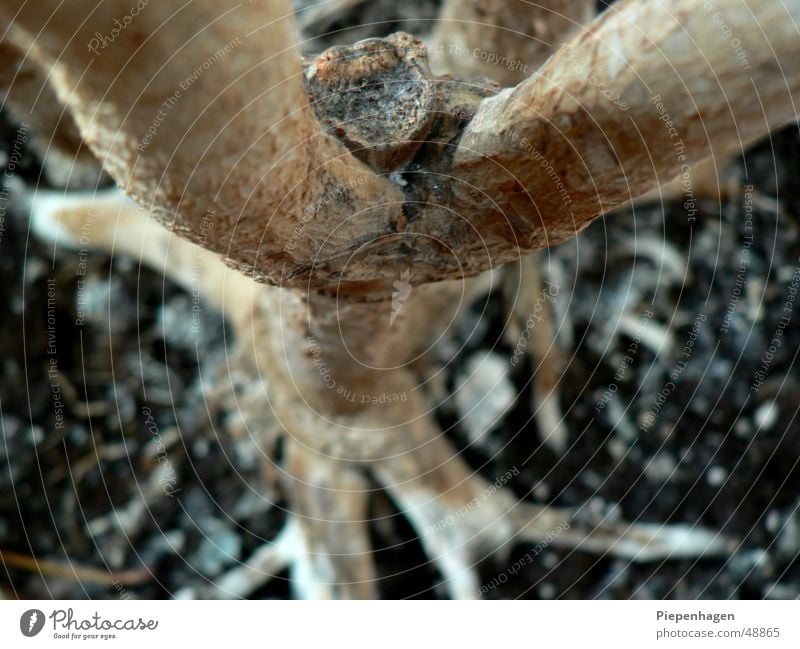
(533, 165)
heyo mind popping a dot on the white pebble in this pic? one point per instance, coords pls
(716, 476)
(483, 393)
(766, 415)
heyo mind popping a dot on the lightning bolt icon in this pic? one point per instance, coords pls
(34, 617)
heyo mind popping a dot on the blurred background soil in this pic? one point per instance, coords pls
(87, 447)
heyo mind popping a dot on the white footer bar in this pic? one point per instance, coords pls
(400, 625)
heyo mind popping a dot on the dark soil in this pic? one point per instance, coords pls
(722, 449)
(714, 451)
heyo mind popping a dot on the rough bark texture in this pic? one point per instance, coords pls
(500, 40)
(56, 137)
(199, 111)
(360, 180)
(535, 165)
(647, 90)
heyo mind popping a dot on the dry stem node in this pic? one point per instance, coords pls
(376, 96)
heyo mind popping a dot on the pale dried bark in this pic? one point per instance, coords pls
(340, 199)
(501, 40)
(549, 156)
(236, 140)
(533, 166)
(33, 104)
(533, 333)
(335, 438)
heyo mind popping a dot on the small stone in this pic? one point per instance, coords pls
(37, 435)
(766, 415)
(617, 449)
(549, 560)
(661, 467)
(201, 448)
(773, 521)
(716, 476)
(789, 537)
(484, 393)
(745, 563)
(397, 178)
(742, 428)
(782, 591)
(220, 547)
(542, 492)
